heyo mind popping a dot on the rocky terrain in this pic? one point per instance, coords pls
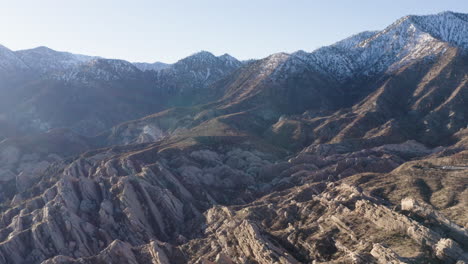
(353, 153)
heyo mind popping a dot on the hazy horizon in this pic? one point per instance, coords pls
(150, 31)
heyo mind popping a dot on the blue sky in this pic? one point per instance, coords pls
(145, 30)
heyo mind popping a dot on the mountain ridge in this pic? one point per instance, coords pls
(449, 21)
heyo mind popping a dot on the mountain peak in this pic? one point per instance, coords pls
(202, 54)
(446, 26)
(226, 56)
(199, 57)
(100, 69)
(442, 14)
(4, 48)
(230, 60)
(279, 55)
(43, 48)
(9, 61)
(355, 39)
(205, 59)
(46, 60)
(114, 66)
(408, 39)
(155, 66)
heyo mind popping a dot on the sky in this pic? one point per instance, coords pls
(166, 31)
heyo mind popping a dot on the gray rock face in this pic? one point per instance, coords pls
(346, 214)
(101, 198)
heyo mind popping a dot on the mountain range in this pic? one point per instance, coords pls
(355, 152)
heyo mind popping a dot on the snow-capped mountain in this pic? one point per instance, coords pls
(9, 61)
(365, 54)
(78, 85)
(100, 69)
(198, 70)
(45, 60)
(156, 66)
(67, 66)
(408, 39)
(206, 62)
(305, 78)
(199, 59)
(450, 27)
(340, 74)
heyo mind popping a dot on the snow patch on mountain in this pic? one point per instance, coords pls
(100, 69)
(9, 61)
(450, 27)
(46, 60)
(367, 54)
(143, 66)
(274, 63)
(409, 39)
(195, 71)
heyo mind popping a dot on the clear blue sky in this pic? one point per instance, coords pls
(156, 30)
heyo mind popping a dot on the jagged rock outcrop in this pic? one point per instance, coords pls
(131, 196)
(341, 222)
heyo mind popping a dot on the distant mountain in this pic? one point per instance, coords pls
(324, 80)
(45, 60)
(202, 68)
(341, 74)
(102, 70)
(156, 66)
(365, 74)
(408, 39)
(10, 63)
(46, 89)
